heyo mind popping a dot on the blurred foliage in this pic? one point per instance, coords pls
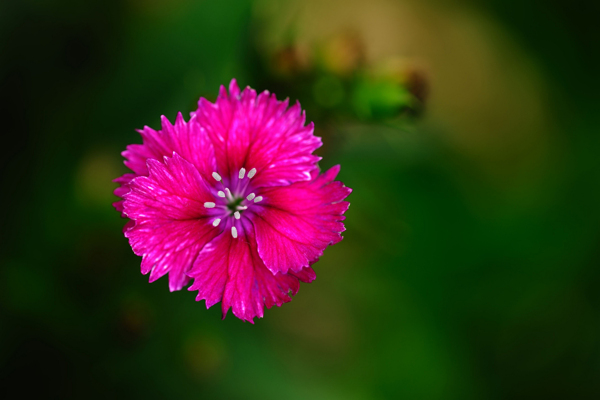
(468, 131)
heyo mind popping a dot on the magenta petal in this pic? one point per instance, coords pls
(229, 270)
(189, 140)
(259, 132)
(123, 189)
(298, 221)
(171, 222)
(307, 274)
(169, 247)
(174, 190)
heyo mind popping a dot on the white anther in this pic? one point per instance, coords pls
(233, 232)
(250, 196)
(209, 204)
(216, 222)
(236, 215)
(251, 173)
(241, 208)
(242, 173)
(220, 193)
(216, 176)
(257, 199)
(228, 192)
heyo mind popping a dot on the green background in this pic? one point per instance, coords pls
(458, 278)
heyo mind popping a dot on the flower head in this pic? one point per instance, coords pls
(233, 199)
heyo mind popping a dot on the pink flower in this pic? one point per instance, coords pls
(233, 199)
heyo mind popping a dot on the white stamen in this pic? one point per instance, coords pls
(233, 232)
(216, 222)
(257, 199)
(236, 215)
(216, 176)
(250, 196)
(209, 204)
(251, 173)
(220, 193)
(242, 173)
(228, 193)
(241, 208)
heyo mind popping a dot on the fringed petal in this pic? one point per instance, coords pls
(295, 223)
(250, 131)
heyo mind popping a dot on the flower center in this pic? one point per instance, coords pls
(233, 206)
(232, 202)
